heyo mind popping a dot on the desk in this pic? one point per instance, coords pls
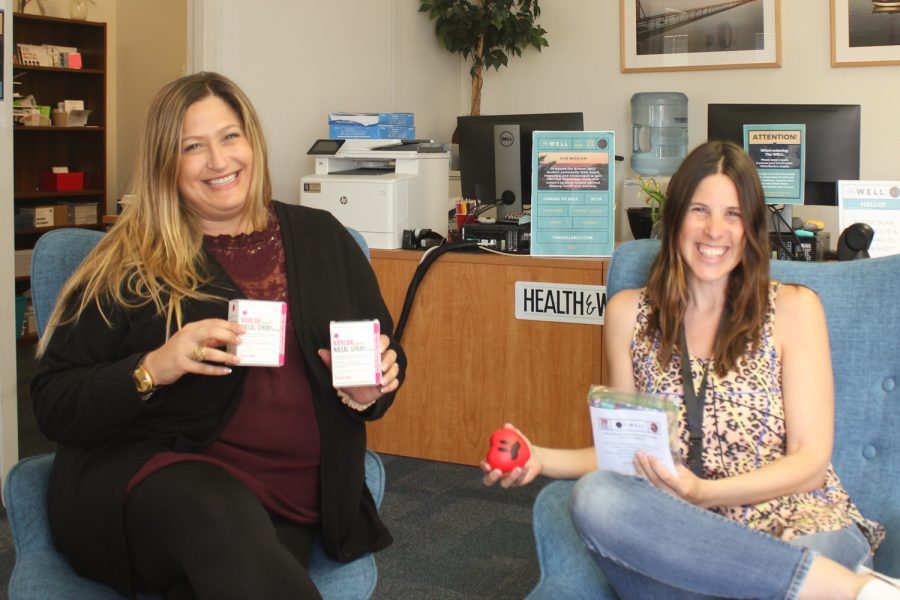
(473, 366)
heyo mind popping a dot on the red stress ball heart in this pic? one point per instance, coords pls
(508, 450)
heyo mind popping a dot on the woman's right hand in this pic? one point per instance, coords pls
(191, 350)
(519, 476)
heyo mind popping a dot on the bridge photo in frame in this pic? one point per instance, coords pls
(683, 35)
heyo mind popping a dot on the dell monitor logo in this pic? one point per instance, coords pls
(506, 139)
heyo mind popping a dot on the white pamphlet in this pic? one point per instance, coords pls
(620, 433)
(624, 424)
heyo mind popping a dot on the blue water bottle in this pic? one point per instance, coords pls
(659, 131)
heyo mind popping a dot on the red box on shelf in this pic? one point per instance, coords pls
(62, 182)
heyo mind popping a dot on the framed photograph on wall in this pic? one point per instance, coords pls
(865, 33)
(690, 35)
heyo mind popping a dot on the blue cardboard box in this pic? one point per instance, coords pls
(342, 131)
(20, 316)
(403, 119)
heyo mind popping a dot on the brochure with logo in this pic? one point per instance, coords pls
(779, 153)
(877, 204)
(573, 193)
(624, 424)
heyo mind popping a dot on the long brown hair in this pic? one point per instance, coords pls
(152, 255)
(747, 291)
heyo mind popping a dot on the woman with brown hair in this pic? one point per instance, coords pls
(754, 508)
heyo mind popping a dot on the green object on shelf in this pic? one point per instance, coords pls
(20, 316)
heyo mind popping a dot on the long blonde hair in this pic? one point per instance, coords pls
(748, 283)
(153, 252)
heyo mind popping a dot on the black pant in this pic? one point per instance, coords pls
(195, 531)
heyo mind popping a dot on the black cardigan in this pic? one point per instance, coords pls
(85, 400)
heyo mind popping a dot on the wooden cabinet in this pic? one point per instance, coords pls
(36, 149)
(473, 366)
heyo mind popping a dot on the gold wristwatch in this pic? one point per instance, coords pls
(143, 381)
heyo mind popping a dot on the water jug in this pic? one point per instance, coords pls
(659, 132)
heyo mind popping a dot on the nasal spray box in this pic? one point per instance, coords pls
(264, 323)
(355, 359)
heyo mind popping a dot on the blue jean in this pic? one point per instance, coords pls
(650, 544)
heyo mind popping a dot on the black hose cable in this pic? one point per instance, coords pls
(419, 275)
(798, 252)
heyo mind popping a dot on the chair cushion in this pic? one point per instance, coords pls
(42, 573)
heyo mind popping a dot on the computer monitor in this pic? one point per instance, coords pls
(832, 139)
(495, 154)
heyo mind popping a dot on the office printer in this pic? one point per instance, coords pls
(381, 187)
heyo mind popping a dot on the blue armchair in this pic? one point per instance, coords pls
(862, 307)
(40, 572)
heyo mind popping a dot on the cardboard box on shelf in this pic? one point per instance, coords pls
(84, 213)
(23, 263)
(30, 320)
(49, 216)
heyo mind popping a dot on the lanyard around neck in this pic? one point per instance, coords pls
(694, 400)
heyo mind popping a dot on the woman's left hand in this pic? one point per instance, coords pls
(683, 483)
(390, 372)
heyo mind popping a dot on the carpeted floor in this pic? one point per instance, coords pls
(454, 539)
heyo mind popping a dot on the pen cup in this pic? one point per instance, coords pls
(59, 118)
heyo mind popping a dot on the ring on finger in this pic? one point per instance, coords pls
(198, 354)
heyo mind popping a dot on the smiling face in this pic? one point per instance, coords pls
(215, 166)
(711, 238)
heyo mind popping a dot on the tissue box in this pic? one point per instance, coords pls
(49, 216)
(62, 182)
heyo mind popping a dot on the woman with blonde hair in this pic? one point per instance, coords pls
(179, 470)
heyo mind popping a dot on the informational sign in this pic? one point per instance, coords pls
(779, 153)
(877, 204)
(562, 302)
(573, 193)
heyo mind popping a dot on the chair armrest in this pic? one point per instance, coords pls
(375, 476)
(25, 498)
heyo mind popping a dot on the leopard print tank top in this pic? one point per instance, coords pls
(743, 429)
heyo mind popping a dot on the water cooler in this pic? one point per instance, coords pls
(659, 132)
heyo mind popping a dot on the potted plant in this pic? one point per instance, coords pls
(645, 221)
(488, 30)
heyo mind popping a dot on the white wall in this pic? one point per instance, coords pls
(9, 423)
(143, 65)
(298, 60)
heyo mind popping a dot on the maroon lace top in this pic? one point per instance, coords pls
(272, 441)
